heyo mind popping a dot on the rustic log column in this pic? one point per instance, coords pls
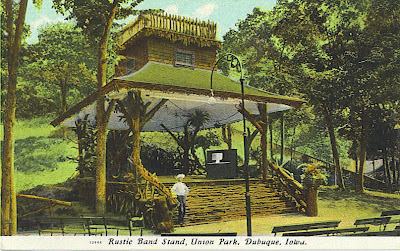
(134, 102)
(262, 108)
(312, 198)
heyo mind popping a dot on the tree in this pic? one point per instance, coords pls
(14, 28)
(96, 19)
(62, 58)
(187, 140)
(373, 73)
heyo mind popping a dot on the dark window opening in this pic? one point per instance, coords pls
(130, 65)
(184, 58)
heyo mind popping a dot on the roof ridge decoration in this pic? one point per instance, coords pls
(171, 27)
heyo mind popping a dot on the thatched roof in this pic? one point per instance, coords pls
(187, 90)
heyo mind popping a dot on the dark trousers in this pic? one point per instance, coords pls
(181, 208)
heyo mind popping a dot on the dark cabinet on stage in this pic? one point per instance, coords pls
(222, 164)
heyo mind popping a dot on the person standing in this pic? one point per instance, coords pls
(181, 190)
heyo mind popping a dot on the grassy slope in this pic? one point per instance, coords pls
(33, 148)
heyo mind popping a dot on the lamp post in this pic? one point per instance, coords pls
(236, 63)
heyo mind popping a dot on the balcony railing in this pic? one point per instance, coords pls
(169, 23)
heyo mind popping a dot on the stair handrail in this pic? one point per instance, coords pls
(329, 165)
(290, 185)
(153, 179)
(50, 205)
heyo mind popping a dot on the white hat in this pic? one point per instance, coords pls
(180, 176)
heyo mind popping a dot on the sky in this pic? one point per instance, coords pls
(226, 13)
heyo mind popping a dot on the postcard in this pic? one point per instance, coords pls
(235, 125)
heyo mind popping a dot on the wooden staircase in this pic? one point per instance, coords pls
(224, 200)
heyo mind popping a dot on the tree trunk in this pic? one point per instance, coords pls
(386, 168)
(397, 165)
(8, 195)
(363, 154)
(271, 141)
(292, 145)
(394, 170)
(227, 135)
(134, 101)
(185, 147)
(63, 105)
(335, 153)
(80, 132)
(264, 159)
(282, 137)
(101, 140)
(356, 169)
(101, 127)
(249, 139)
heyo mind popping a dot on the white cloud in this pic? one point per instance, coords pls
(204, 11)
(171, 9)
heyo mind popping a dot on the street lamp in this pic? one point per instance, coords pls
(236, 63)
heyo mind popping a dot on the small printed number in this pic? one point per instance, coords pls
(95, 242)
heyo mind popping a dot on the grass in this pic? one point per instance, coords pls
(40, 157)
(25, 181)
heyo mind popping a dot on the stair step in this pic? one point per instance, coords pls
(223, 201)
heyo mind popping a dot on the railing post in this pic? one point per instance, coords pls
(312, 199)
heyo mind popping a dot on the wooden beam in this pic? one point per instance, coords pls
(252, 119)
(126, 113)
(110, 109)
(66, 203)
(172, 135)
(151, 113)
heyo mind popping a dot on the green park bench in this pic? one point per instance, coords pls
(61, 225)
(109, 225)
(378, 221)
(394, 214)
(89, 225)
(200, 234)
(337, 231)
(308, 226)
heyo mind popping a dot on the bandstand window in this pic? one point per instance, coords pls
(184, 58)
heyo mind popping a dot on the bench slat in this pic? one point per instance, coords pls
(390, 213)
(327, 232)
(316, 225)
(199, 234)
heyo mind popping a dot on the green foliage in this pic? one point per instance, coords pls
(208, 140)
(342, 56)
(160, 161)
(59, 72)
(92, 16)
(313, 174)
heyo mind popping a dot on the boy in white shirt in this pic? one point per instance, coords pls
(181, 190)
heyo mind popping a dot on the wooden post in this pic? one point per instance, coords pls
(264, 162)
(134, 103)
(312, 201)
(50, 209)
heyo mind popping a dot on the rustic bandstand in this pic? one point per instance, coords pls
(164, 74)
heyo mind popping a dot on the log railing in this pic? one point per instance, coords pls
(170, 23)
(49, 204)
(290, 186)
